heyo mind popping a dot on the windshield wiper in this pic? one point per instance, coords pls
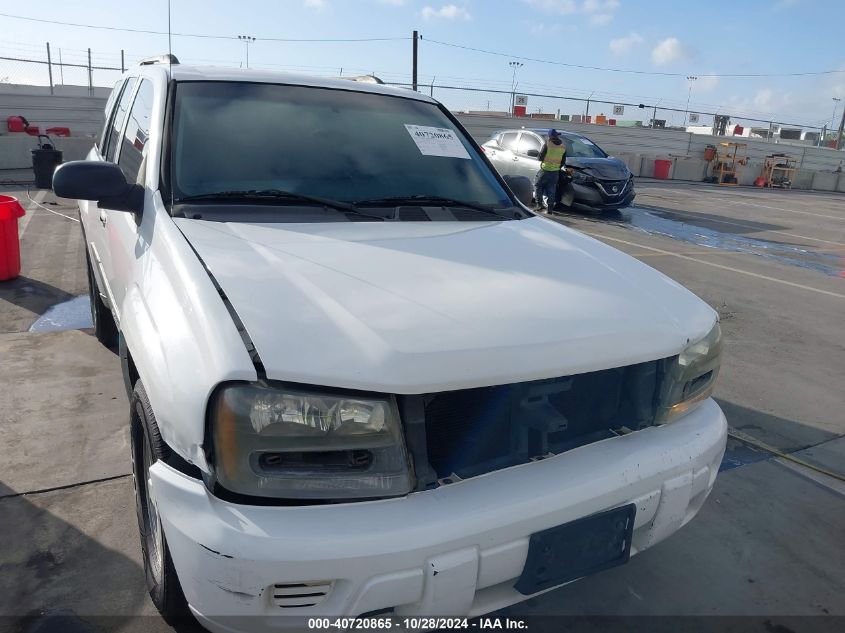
(435, 200)
(276, 194)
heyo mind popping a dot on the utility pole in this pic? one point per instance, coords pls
(50, 67)
(516, 66)
(587, 113)
(414, 62)
(654, 112)
(839, 133)
(61, 68)
(246, 39)
(122, 63)
(690, 79)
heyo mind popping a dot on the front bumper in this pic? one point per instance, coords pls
(454, 550)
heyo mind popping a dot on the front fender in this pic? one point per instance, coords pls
(181, 338)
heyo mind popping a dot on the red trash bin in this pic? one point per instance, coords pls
(661, 169)
(10, 248)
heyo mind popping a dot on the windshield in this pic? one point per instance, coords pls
(580, 147)
(336, 144)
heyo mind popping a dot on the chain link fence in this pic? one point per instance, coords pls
(543, 106)
(55, 68)
(58, 68)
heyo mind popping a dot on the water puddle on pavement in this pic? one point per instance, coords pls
(657, 222)
(74, 314)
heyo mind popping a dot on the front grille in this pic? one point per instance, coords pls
(607, 186)
(473, 431)
(300, 594)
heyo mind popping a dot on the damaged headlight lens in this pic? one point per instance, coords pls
(690, 377)
(286, 443)
(581, 177)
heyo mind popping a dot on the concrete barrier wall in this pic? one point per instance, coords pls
(73, 107)
(83, 114)
(15, 150)
(640, 147)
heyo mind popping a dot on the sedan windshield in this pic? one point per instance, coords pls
(339, 145)
(582, 147)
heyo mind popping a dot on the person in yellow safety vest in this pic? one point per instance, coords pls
(552, 158)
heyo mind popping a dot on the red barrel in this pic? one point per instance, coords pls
(10, 248)
(661, 169)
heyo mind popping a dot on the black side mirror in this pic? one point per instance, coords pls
(533, 153)
(100, 181)
(521, 187)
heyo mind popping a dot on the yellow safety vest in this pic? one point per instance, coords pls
(554, 157)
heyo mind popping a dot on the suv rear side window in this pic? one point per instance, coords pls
(137, 132)
(115, 93)
(118, 118)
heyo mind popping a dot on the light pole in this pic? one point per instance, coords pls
(691, 79)
(516, 66)
(246, 39)
(587, 111)
(836, 101)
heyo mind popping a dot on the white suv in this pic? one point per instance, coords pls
(363, 377)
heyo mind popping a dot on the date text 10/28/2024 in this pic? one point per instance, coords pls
(416, 624)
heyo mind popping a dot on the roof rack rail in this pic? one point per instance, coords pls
(366, 79)
(159, 59)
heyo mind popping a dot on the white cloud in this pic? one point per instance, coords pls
(600, 6)
(668, 51)
(706, 83)
(564, 7)
(447, 12)
(316, 4)
(599, 11)
(624, 45)
(543, 28)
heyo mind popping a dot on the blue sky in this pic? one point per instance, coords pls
(718, 36)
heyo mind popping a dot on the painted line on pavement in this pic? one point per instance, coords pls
(38, 204)
(24, 221)
(768, 206)
(722, 266)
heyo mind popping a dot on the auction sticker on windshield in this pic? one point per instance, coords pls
(437, 141)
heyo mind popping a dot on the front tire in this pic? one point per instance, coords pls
(105, 329)
(147, 448)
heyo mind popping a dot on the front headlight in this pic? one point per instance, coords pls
(581, 177)
(690, 377)
(288, 443)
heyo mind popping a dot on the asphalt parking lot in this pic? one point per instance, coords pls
(768, 542)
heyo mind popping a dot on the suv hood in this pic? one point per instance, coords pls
(417, 307)
(609, 168)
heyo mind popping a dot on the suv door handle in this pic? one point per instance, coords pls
(103, 217)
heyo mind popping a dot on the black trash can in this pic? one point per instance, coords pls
(45, 159)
